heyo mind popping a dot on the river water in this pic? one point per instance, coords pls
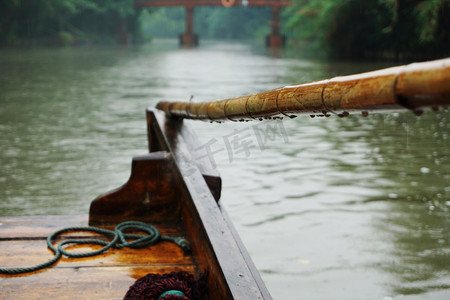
(329, 208)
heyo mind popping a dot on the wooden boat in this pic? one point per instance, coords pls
(168, 188)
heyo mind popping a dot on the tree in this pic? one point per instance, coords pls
(376, 28)
(63, 21)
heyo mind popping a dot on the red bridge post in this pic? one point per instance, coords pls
(189, 38)
(275, 39)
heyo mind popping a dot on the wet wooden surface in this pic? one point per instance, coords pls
(108, 276)
(157, 142)
(215, 243)
(167, 188)
(416, 86)
(150, 195)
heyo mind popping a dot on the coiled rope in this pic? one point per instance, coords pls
(119, 240)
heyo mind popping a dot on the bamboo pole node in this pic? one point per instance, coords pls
(417, 87)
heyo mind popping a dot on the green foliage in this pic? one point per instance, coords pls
(64, 21)
(433, 25)
(372, 28)
(209, 22)
(339, 28)
(351, 35)
(233, 22)
(163, 22)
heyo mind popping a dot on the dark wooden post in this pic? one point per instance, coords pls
(275, 39)
(121, 31)
(189, 19)
(276, 20)
(189, 38)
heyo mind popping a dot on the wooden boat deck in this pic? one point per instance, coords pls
(23, 243)
(167, 189)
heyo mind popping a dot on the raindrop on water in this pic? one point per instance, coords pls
(424, 170)
(392, 195)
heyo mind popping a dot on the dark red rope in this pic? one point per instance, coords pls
(152, 286)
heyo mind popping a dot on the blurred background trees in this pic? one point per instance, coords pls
(213, 22)
(62, 22)
(353, 29)
(400, 29)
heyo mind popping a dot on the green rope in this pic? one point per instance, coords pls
(171, 292)
(119, 240)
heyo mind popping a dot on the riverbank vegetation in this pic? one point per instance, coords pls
(67, 22)
(355, 29)
(210, 22)
(400, 29)
(349, 29)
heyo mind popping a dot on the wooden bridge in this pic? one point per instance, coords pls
(190, 39)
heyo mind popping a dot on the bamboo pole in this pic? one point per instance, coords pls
(416, 86)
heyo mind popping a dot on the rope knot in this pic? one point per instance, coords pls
(180, 241)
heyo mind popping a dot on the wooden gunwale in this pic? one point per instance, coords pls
(227, 251)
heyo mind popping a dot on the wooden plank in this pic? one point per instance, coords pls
(210, 174)
(107, 276)
(255, 273)
(25, 253)
(224, 258)
(39, 227)
(157, 142)
(150, 195)
(79, 283)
